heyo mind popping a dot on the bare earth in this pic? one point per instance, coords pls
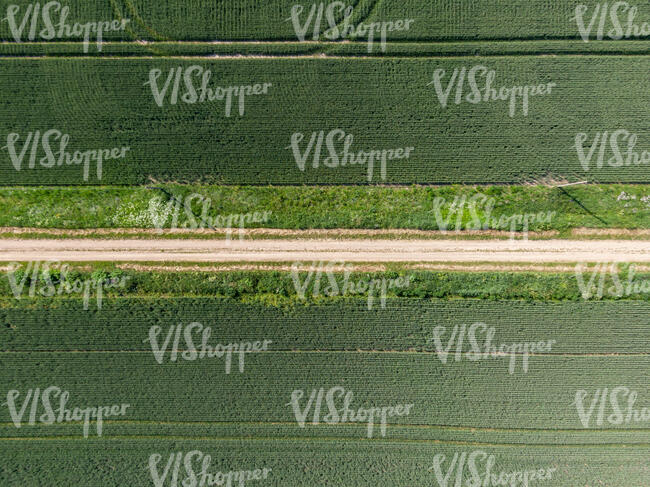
(361, 250)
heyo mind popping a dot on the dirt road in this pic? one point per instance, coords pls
(537, 251)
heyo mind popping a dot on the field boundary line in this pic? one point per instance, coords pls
(385, 352)
(328, 439)
(362, 42)
(469, 429)
(321, 56)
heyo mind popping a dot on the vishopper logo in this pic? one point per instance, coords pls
(342, 156)
(481, 470)
(191, 352)
(35, 141)
(619, 402)
(620, 16)
(344, 414)
(193, 477)
(161, 212)
(598, 286)
(487, 349)
(341, 30)
(60, 415)
(632, 199)
(479, 208)
(54, 24)
(49, 279)
(486, 92)
(622, 144)
(340, 284)
(202, 92)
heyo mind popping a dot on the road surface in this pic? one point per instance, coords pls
(292, 250)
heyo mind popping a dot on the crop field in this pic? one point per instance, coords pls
(251, 20)
(105, 104)
(527, 420)
(145, 93)
(314, 462)
(144, 341)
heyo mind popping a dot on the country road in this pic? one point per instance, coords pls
(286, 250)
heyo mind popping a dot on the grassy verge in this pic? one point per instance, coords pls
(286, 288)
(336, 207)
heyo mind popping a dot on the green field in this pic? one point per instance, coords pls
(194, 113)
(526, 420)
(103, 103)
(115, 462)
(404, 325)
(250, 20)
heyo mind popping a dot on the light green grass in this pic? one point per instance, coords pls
(277, 288)
(341, 207)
